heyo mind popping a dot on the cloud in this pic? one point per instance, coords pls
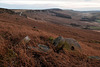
(46, 1)
(41, 4)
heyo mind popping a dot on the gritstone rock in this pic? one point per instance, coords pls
(43, 47)
(67, 43)
(26, 39)
(40, 48)
(94, 57)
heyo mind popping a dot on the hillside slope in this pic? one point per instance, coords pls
(84, 20)
(13, 28)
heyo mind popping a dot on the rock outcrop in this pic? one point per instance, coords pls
(66, 43)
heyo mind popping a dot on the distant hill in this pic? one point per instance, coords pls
(2, 10)
(90, 11)
(84, 20)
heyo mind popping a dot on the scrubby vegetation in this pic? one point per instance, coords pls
(98, 21)
(16, 53)
(94, 28)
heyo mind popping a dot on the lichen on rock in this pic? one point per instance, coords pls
(66, 43)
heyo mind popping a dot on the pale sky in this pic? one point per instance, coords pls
(83, 5)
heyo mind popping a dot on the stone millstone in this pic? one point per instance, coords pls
(67, 43)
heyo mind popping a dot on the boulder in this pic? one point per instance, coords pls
(94, 57)
(40, 48)
(26, 39)
(43, 48)
(73, 44)
(66, 43)
(23, 41)
(58, 40)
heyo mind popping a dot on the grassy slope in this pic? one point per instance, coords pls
(14, 28)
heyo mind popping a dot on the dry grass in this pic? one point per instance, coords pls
(12, 31)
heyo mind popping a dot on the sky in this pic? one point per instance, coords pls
(80, 5)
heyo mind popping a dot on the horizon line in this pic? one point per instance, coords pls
(47, 9)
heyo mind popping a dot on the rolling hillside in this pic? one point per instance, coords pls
(14, 27)
(84, 20)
